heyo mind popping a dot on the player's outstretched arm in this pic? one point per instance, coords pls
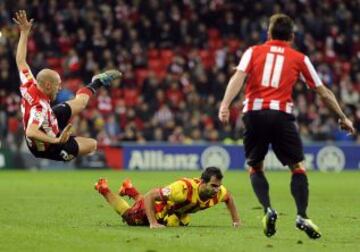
(230, 204)
(25, 26)
(330, 100)
(232, 90)
(149, 202)
(34, 132)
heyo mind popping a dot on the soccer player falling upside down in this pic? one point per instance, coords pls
(271, 70)
(171, 205)
(47, 129)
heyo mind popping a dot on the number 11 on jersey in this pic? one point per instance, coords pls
(272, 72)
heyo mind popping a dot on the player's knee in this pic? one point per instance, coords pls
(258, 166)
(297, 167)
(81, 101)
(93, 145)
(87, 146)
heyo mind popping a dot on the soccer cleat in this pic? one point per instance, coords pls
(269, 222)
(125, 187)
(102, 185)
(107, 77)
(308, 227)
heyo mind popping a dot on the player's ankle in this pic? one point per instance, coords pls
(303, 215)
(104, 191)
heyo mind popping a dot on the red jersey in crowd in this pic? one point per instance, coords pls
(273, 68)
(36, 109)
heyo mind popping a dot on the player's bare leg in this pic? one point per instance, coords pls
(261, 188)
(128, 189)
(119, 205)
(86, 145)
(300, 191)
(79, 103)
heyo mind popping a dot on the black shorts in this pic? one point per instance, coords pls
(62, 113)
(271, 127)
(60, 152)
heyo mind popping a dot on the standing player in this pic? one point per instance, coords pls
(271, 70)
(170, 205)
(47, 132)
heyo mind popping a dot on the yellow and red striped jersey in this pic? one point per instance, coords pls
(183, 198)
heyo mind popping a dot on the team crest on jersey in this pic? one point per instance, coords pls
(166, 191)
(38, 115)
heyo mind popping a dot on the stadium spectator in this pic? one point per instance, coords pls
(205, 41)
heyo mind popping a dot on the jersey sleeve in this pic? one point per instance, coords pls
(223, 194)
(37, 115)
(308, 73)
(245, 62)
(26, 77)
(176, 192)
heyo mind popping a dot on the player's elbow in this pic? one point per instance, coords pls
(21, 64)
(30, 132)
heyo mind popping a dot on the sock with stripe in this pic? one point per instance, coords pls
(119, 205)
(132, 192)
(260, 186)
(300, 191)
(95, 85)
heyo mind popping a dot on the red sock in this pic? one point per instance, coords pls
(104, 191)
(85, 90)
(299, 171)
(131, 192)
(253, 170)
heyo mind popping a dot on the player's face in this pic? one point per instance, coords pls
(211, 188)
(56, 87)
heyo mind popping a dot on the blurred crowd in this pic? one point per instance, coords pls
(177, 57)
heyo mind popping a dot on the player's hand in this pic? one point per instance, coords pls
(65, 134)
(346, 124)
(21, 20)
(156, 225)
(224, 114)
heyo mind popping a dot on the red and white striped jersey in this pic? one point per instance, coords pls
(272, 70)
(36, 109)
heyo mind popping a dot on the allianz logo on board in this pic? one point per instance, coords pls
(158, 160)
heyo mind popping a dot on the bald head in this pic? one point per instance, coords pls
(47, 75)
(49, 82)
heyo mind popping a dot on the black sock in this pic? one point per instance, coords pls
(95, 85)
(300, 192)
(261, 188)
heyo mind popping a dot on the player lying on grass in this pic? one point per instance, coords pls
(170, 205)
(47, 129)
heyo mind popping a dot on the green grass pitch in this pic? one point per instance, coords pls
(60, 211)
